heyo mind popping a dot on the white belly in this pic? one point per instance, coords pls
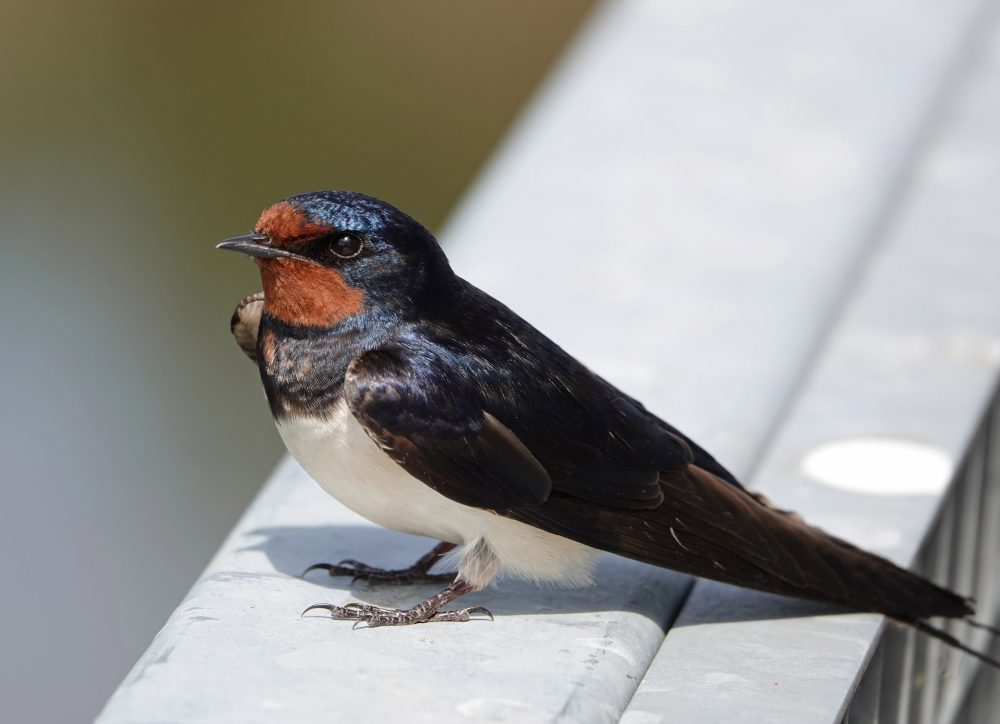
(350, 466)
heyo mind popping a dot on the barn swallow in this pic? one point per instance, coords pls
(428, 407)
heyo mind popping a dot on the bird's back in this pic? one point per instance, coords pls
(626, 481)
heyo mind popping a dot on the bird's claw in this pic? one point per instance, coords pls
(480, 610)
(359, 571)
(344, 568)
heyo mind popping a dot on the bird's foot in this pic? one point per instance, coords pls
(374, 616)
(424, 612)
(360, 572)
(419, 572)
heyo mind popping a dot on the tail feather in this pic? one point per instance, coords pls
(762, 547)
(945, 637)
(707, 527)
(984, 626)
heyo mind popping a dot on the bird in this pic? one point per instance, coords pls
(428, 407)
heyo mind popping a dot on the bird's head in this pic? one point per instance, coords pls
(329, 256)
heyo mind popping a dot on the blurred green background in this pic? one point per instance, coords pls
(134, 135)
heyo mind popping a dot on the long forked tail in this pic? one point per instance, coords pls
(707, 527)
(722, 532)
(862, 580)
(944, 636)
(984, 626)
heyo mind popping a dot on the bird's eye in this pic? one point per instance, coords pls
(346, 245)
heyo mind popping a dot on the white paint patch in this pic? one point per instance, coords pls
(484, 709)
(350, 466)
(880, 466)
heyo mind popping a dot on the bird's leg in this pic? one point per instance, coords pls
(424, 612)
(419, 572)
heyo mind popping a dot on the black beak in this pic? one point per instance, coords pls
(257, 245)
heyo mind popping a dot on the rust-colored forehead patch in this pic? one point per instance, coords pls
(283, 222)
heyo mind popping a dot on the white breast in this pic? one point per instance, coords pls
(350, 466)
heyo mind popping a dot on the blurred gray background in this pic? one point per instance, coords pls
(133, 137)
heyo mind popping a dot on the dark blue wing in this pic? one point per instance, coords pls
(431, 421)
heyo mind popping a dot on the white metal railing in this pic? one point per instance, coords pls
(915, 679)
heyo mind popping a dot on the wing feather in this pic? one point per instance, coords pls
(446, 440)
